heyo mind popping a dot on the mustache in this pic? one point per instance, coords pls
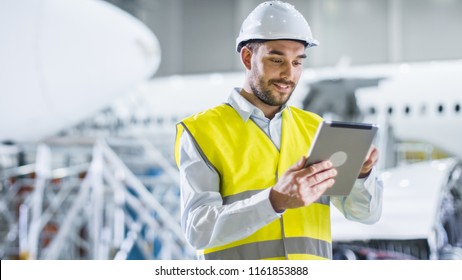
(281, 81)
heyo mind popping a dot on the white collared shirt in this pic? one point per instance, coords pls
(206, 222)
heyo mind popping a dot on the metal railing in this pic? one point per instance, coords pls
(108, 214)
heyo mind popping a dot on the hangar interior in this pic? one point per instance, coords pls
(88, 130)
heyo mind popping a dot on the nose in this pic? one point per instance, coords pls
(288, 71)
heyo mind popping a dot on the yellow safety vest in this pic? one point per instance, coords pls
(248, 162)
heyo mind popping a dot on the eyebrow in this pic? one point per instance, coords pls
(276, 52)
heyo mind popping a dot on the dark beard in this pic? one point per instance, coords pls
(265, 96)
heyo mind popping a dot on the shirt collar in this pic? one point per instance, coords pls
(245, 109)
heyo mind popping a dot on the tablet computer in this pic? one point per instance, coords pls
(346, 145)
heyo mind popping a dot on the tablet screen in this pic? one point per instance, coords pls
(346, 145)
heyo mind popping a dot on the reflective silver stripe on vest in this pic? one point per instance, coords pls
(239, 196)
(274, 249)
(243, 195)
(199, 149)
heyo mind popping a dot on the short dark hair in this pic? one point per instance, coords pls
(251, 44)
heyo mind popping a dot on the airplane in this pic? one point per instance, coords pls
(416, 105)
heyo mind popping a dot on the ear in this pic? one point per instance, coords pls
(246, 57)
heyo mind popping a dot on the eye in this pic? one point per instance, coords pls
(276, 60)
(297, 63)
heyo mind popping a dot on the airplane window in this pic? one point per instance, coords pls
(390, 110)
(407, 110)
(440, 108)
(372, 110)
(457, 108)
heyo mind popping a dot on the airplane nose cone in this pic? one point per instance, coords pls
(63, 60)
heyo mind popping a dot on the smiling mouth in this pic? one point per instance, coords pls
(282, 86)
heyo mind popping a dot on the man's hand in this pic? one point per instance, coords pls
(369, 162)
(300, 186)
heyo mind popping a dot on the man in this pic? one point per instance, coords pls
(245, 193)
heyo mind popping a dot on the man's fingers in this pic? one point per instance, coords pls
(294, 189)
(318, 167)
(372, 155)
(312, 193)
(298, 165)
(321, 176)
(369, 162)
(324, 185)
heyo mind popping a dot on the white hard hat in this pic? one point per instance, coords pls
(275, 20)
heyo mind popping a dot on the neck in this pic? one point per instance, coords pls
(268, 110)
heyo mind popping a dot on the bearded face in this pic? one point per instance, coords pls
(275, 70)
